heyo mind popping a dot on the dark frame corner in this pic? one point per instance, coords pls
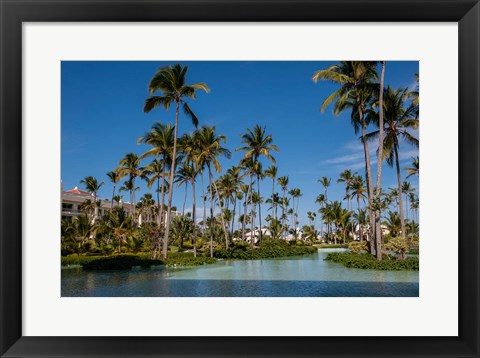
(14, 12)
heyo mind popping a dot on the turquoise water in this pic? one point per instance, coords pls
(304, 276)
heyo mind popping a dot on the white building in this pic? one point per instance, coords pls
(73, 199)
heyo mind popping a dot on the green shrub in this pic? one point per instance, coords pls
(77, 260)
(398, 246)
(120, 262)
(268, 248)
(358, 247)
(366, 261)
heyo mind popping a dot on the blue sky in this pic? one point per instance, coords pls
(102, 118)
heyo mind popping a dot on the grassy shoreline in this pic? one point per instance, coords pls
(184, 259)
(368, 262)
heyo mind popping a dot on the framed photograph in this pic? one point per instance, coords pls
(239, 178)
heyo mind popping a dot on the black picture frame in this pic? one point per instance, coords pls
(15, 12)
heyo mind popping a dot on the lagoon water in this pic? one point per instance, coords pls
(303, 276)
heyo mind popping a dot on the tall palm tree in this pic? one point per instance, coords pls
(283, 183)
(245, 189)
(156, 172)
(130, 165)
(346, 177)
(414, 169)
(114, 178)
(378, 227)
(128, 186)
(92, 186)
(296, 194)
(272, 173)
(236, 176)
(407, 189)
(210, 150)
(185, 175)
(356, 91)
(326, 183)
(170, 81)
(399, 119)
(322, 201)
(256, 144)
(191, 149)
(161, 139)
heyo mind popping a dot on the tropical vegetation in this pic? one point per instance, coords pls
(376, 223)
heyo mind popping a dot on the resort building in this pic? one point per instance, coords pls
(74, 199)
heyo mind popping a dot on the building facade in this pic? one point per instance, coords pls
(74, 199)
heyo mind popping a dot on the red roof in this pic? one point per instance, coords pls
(78, 191)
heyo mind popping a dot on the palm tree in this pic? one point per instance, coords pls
(378, 227)
(130, 165)
(414, 205)
(210, 149)
(256, 199)
(358, 191)
(170, 81)
(156, 171)
(296, 194)
(117, 199)
(245, 189)
(356, 91)
(236, 177)
(256, 144)
(346, 177)
(326, 183)
(274, 201)
(414, 169)
(283, 182)
(92, 186)
(185, 175)
(191, 149)
(322, 201)
(393, 223)
(161, 139)
(114, 178)
(361, 217)
(120, 223)
(128, 186)
(407, 189)
(145, 206)
(272, 173)
(398, 120)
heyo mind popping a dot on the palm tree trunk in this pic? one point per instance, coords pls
(221, 207)
(233, 216)
(407, 204)
(252, 230)
(245, 211)
(283, 214)
(296, 214)
(194, 215)
(113, 195)
(359, 225)
(211, 216)
(378, 226)
(204, 204)
(185, 199)
(259, 207)
(162, 204)
(170, 192)
(273, 203)
(400, 199)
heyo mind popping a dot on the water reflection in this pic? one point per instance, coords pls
(308, 276)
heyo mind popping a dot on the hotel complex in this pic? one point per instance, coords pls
(73, 199)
